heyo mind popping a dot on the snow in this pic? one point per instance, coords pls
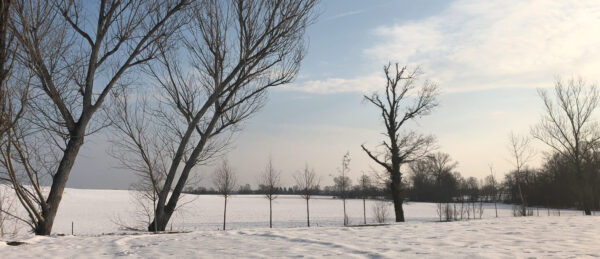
(560, 237)
(95, 212)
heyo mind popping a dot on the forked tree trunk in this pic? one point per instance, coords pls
(59, 181)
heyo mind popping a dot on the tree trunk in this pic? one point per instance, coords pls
(587, 211)
(345, 216)
(307, 214)
(587, 201)
(496, 208)
(225, 213)
(270, 213)
(523, 202)
(365, 211)
(59, 181)
(397, 197)
(154, 204)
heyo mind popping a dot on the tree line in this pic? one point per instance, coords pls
(356, 191)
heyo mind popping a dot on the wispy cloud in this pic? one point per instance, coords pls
(344, 14)
(363, 84)
(490, 44)
(477, 45)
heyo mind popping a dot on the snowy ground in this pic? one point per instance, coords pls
(94, 212)
(560, 237)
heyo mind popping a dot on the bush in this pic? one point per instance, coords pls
(380, 211)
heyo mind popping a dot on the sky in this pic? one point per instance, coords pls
(489, 59)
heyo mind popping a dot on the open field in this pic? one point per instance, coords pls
(94, 212)
(543, 237)
(107, 211)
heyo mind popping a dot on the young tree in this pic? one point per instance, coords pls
(380, 211)
(342, 182)
(522, 153)
(365, 186)
(492, 184)
(270, 187)
(76, 63)
(224, 180)
(568, 127)
(441, 167)
(402, 146)
(308, 184)
(231, 54)
(140, 147)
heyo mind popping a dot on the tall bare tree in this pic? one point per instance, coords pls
(225, 181)
(403, 101)
(521, 154)
(343, 182)
(492, 183)
(308, 184)
(140, 146)
(569, 128)
(77, 62)
(365, 185)
(231, 53)
(269, 185)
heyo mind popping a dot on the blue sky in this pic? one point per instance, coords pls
(488, 57)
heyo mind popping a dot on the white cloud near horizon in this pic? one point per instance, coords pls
(363, 84)
(478, 45)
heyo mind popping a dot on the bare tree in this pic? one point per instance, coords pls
(441, 167)
(380, 211)
(365, 185)
(231, 54)
(14, 92)
(493, 185)
(343, 183)
(270, 187)
(77, 62)
(140, 147)
(225, 181)
(521, 154)
(568, 127)
(396, 109)
(308, 184)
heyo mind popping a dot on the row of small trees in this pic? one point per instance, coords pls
(307, 185)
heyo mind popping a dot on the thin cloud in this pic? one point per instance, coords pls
(489, 44)
(364, 84)
(478, 45)
(345, 14)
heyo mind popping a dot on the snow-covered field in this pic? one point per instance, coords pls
(94, 212)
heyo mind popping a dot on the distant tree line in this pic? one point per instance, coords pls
(354, 192)
(553, 185)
